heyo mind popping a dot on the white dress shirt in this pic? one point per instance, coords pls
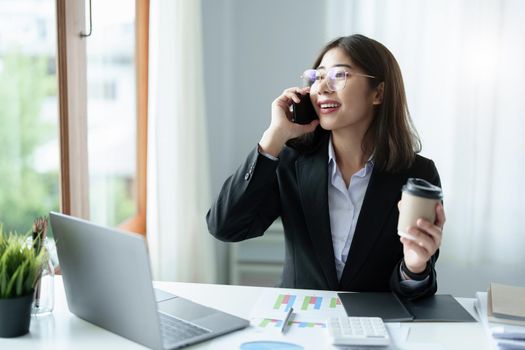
(344, 205)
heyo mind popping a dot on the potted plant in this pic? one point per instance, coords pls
(20, 267)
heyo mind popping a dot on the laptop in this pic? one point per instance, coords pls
(107, 279)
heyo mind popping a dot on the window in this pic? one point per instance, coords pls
(91, 164)
(111, 113)
(29, 151)
(103, 110)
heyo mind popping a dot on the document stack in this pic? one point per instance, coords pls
(502, 312)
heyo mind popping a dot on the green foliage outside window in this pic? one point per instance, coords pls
(25, 193)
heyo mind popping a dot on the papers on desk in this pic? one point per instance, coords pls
(505, 336)
(307, 327)
(310, 307)
(312, 339)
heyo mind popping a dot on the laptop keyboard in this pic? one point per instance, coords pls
(175, 330)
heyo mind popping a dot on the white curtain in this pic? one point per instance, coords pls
(178, 176)
(463, 65)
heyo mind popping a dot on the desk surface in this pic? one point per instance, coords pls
(63, 330)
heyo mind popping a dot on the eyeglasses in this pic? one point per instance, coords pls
(335, 78)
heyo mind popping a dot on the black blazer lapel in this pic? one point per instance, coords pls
(312, 180)
(380, 198)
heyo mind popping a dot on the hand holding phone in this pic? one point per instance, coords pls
(303, 112)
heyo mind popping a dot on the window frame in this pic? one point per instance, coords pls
(72, 108)
(138, 222)
(72, 87)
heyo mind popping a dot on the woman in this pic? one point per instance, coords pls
(336, 182)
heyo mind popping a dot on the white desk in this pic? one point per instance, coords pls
(63, 330)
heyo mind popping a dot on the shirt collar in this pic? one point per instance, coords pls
(332, 163)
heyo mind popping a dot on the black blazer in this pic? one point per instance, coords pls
(296, 189)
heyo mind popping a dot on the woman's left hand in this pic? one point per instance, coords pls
(427, 239)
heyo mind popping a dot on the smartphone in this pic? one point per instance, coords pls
(303, 112)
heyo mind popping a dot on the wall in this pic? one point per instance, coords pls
(253, 50)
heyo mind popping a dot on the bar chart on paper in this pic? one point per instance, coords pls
(311, 308)
(284, 300)
(306, 302)
(275, 323)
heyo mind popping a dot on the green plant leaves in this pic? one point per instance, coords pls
(20, 265)
(20, 278)
(3, 280)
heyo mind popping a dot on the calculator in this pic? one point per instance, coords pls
(360, 331)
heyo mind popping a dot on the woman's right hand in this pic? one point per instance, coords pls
(281, 129)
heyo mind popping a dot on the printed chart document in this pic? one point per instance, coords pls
(311, 339)
(307, 326)
(311, 308)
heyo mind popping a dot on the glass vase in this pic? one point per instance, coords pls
(44, 297)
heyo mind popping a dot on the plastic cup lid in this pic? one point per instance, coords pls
(422, 188)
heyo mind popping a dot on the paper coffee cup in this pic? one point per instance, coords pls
(418, 201)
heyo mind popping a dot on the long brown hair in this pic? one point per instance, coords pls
(391, 136)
